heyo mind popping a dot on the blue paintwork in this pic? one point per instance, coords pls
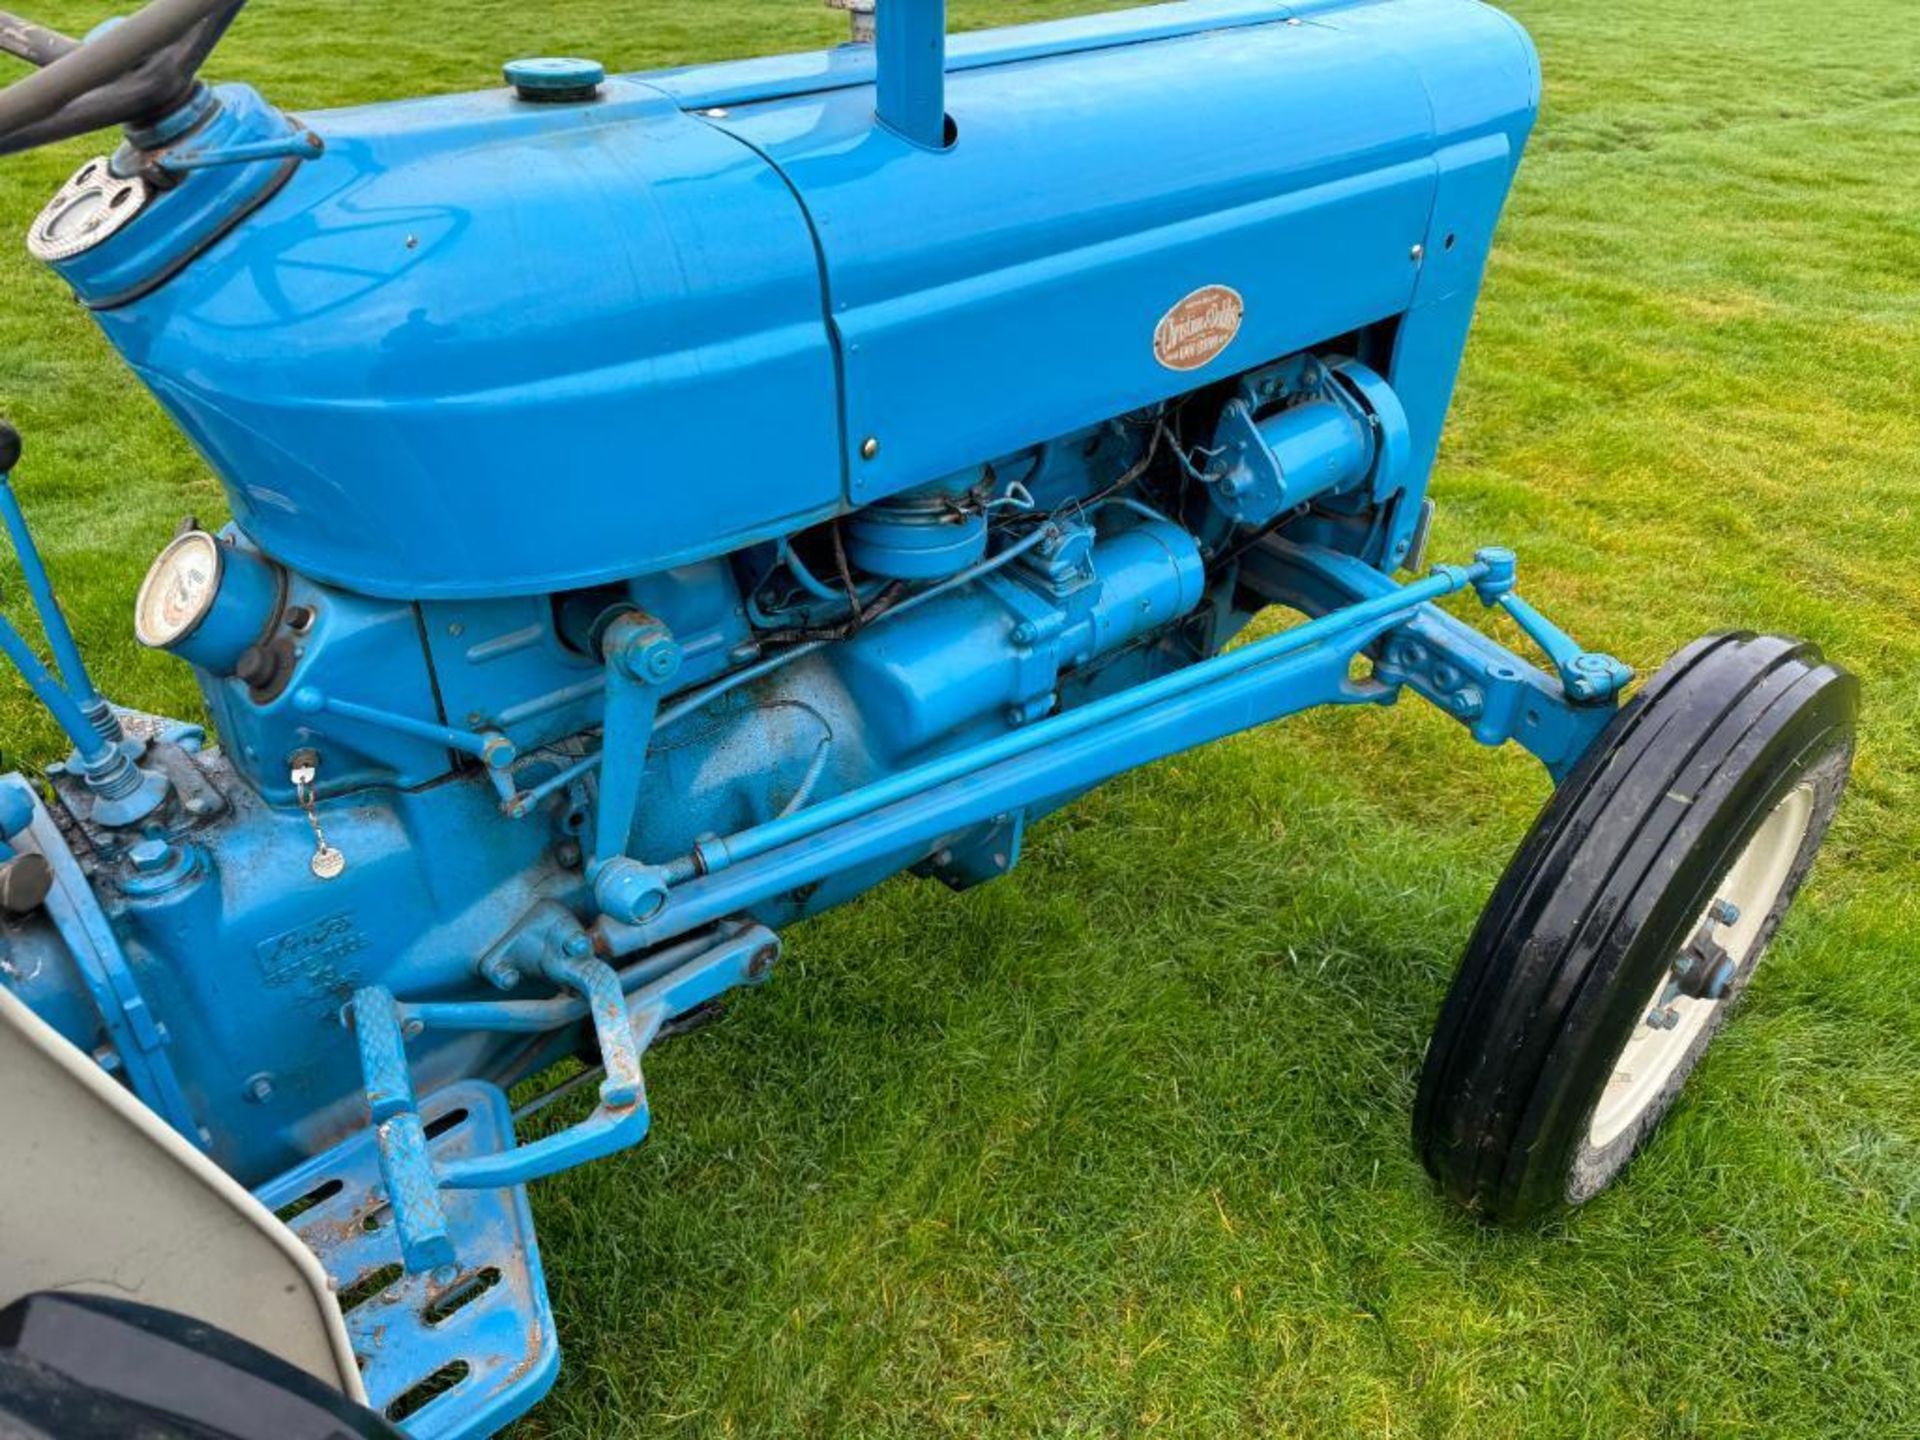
(1092, 190)
(555, 303)
(531, 412)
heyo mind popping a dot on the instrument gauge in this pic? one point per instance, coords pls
(179, 590)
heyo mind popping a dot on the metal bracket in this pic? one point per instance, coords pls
(642, 657)
(1496, 694)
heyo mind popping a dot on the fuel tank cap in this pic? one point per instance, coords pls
(555, 79)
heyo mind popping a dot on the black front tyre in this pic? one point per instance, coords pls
(1629, 921)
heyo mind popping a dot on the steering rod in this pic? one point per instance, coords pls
(134, 72)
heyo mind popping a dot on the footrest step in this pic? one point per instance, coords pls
(456, 1357)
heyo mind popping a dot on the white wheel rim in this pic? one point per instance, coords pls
(1753, 884)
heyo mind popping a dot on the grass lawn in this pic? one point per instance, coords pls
(1119, 1145)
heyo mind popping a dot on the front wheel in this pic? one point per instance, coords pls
(1629, 921)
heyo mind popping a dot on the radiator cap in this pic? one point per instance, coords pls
(555, 79)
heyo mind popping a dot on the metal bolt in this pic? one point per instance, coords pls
(1024, 634)
(149, 856)
(1664, 1018)
(869, 448)
(577, 945)
(660, 659)
(1417, 254)
(456, 629)
(413, 242)
(1724, 912)
(762, 961)
(413, 1029)
(260, 1088)
(499, 972)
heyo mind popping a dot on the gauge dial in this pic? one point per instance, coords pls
(178, 590)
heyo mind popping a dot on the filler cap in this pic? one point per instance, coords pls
(555, 79)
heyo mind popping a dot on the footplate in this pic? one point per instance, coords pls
(450, 1356)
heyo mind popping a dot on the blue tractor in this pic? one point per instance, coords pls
(665, 506)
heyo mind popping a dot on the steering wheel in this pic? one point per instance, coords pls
(135, 72)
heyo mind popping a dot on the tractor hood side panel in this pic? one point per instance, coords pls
(483, 347)
(1009, 289)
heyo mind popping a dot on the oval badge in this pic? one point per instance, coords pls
(1198, 327)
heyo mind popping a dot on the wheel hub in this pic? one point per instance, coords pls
(1687, 993)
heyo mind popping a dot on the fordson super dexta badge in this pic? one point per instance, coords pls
(1198, 327)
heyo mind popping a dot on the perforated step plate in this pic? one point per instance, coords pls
(446, 1361)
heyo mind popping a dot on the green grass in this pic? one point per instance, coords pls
(1118, 1146)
